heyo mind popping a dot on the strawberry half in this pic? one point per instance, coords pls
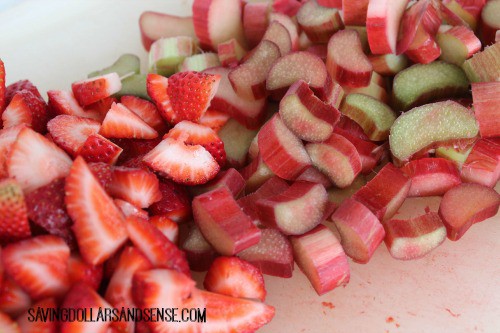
(14, 223)
(39, 265)
(120, 122)
(64, 102)
(196, 134)
(94, 89)
(184, 164)
(71, 132)
(26, 108)
(146, 110)
(7, 138)
(235, 277)
(98, 224)
(175, 202)
(137, 186)
(99, 149)
(27, 324)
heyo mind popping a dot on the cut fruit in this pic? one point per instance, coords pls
(166, 54)
(237, 139)
(199, 253)
(466, 16)
(168, 227)
(484, 66)
(457, 44)
(222, 222)
(256, 173)
(337, 158)
(214, 119)
(99, 149)
(388, 64)
(320, 256)
(466, 204)
(410, 23)
(71, 132)
(385, 193)
(486, 98)
(414, 238)
(290, 25)
(13, 299)
(376, 118)
(295, 211)
(332, 93)
(355, 11)
(374, 89)
(455, 155)
(346, 62)
(360, 231)
(313, 175)
(199, 62)
(306, 115)
(230, 179)
(230, 53)
(255, 21)
(120, 122)
(490, 22)
(129, 209)
(431, 176)
(279, 35)
(482, 165)
(14, 224)
(318, 22)
(28, 109)
(175, 203)
(137, 186)
(155, 25)
(424, 48)
(287, 7)
(64, 102)
(431, 125)
(339, 195)
(92, 90)
(146, 110)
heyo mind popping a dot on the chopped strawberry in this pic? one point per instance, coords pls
(81, 271)
(27, 324)
(7, 138)
(155, 246)
(71, 132)
(214, 119)
(13, 299)
(2, 88)
(35, 161)
(168, 227)
(174, 204)
(196, 134)
(157, 90)
(20, 85)
(64, 102)
(26, 108)
(99, 149)
(46, 208)
(146, 110)
(120, 122)
(235, 277)
(98, 224)
(137, 186)
(8, 325)
(189, 165)
(102, 106)
(103, 172)
(39, 265)
(94, 89)
(134, 162)
(129, 209)
(133, 148)
(14, 223)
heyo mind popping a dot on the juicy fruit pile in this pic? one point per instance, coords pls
(294, 137)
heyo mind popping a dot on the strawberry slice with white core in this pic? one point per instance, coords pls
(137, 186)
(27, 324)
(318, 22)
(360, 231)
(81, 271)
(382, 24)
(92, 90)
(222, 222)
(71, 132)
(14, 223)
(214, 119)
(321, 258)
(154, 25)
(35, 161)
(146, 110)
(39, 265)
(431, 176)
(7, 138)
(297, 210)
(129, 209)
(281, 150)
(184, 164)
(482, 165)
(13, 299)
(64, 102)
(26, 108)
(385, 193)
(156, 86)
(120, 122)
(486, 98)
(415, 237)
(279, 35)
(99, 149)
(235, 277)
(8, 325)
(99, 225)
(168, 227)
(466, 204)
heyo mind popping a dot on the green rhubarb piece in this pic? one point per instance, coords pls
(454, 155)
(424, 83)
(237, 139)
(166, 54)
(134, 85)
(430, 125)
(484, 66)
(374, 117)
(126, 64)
(200, 62)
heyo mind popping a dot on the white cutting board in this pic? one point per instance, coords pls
(456, 288)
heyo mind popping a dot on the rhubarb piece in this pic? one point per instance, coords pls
(431, 176)
(249, 78)
(455, 155)
(306, 115)
(166, 54)
(290, 25)
(346, 62)
(255, 21)
(199, 253)
(313, 175)
(337, 158)
(237, 139)
(466, 204)
(424, 48)
(211, 29)
(388, 64)
(420, 84)
(457, 44)
(382, 24)
(484, 66)
(287, 7)
(490, 21)
(332, 93)
(199, 62)
(430, 125)
(279, 35)
(126, 64)
(92, 90)
(256, 173)
(321, 258)
(295, 211)
(374, 90)
(360, 231)
(355, 11)
(231, 179)
(457, 8)
(385, 193)
(414, 238)
(486, 97)
(432, 19)
(318, 22)
(482, 165)
(222, 222)
(230, 53)
(374, 117)
(339, 195)
(155, 25)
(410, 23)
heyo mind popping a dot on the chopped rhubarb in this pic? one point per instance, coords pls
(237, 139)
(482, 165)
(230, 53)
(486, 99)
(457, 44)
(279, 35)
(489, 21)
(199, 252)
(423, 49)
(484, 66)
(355, 11)
(318, 22)
(155, 25)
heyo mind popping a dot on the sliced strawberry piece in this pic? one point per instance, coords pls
(120, 122)
(196, 134)
(137, 186)
(98, 224)
(146, 110)
(13, 299)
(133, 148)
(155, 246)
(27, 324)
(81, 271)
(129, 209)
(214, 119)
(2, 88)
(103, 172)
(14, 223)
(174, 204)
(8, 325)
(35, 161)
(189, 165)
(157, 89)
(81, 296)
(71, 132)
(102, 106)
(169, 228)
(26, 108)
(64, 102)
(7, 138)
(99, 149)
(39, 265)
(94, 89)
(235, 277)
(46, 208)
(15, 87)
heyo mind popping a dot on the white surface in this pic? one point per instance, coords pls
(454, 289)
